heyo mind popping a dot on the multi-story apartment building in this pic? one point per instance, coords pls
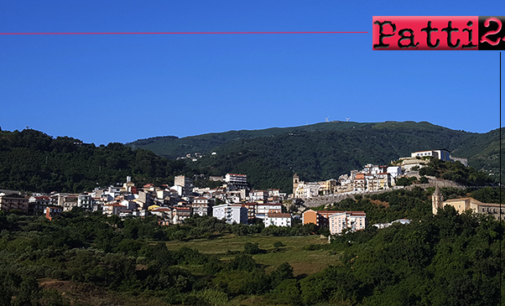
(37, 204)
(85, 201)
(278, 219)
(236, 181)
(231, 213)
(359, 183)
(317, 217)
(263, 209)
(202, 206)
(251, 211)
(186, 183)
(13, 201)
(350, 220)
(259, 196)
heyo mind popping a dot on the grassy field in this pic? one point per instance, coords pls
(303, 262)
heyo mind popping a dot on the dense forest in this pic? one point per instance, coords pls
(446, 259)
(33, 161)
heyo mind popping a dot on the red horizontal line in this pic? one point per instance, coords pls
(166, 33)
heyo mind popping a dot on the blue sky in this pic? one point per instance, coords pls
(119, 88)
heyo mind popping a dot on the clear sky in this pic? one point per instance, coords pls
(119, 88)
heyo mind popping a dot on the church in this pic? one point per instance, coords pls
(463, 204)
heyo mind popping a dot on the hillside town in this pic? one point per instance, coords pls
(234, 202)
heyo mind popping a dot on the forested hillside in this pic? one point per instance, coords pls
(326, 150)
(446, 259)
(33, 161)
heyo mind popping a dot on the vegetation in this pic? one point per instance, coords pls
(456, 172)
(326, 150)
(33, 161)
(446, 259)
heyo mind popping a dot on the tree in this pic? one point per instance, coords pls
(251, 248)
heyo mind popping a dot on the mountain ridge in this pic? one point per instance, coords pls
(325, 150)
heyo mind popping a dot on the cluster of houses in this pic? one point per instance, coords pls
(234, 202)
(371, 177)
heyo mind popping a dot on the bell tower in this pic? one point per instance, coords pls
(437, 200)
(296, 181)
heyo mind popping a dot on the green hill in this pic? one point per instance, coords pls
(322, 151)
(33, 161)
(173, 147)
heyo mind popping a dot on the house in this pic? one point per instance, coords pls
(179, 213)
(328, 187)
(441, 154)
(278, 219)
(394, 171)
(231, 213)
(201, 206)
(263, 209)
(251, 210)
(185, 183)
(236, 181)
(259, 196)
(359, 183)
(319, 218)
(85, 201)
(113, 209)
(69, 201)
(51, 212)
(347, 220)
(13, 201)
(37, 204)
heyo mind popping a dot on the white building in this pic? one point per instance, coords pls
(259, 196)
(351, 220)
(395, 171)
(278, 219)
(231, 213)
(441, 154)
(237, 180)
(268, 208)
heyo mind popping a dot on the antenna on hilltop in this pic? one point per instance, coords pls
(327, 119)
(347, 119)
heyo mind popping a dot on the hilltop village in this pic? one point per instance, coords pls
(234, 202)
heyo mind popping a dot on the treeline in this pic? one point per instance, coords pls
(456, 172)
(127, 256)
(33, 161)
(447, 259)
